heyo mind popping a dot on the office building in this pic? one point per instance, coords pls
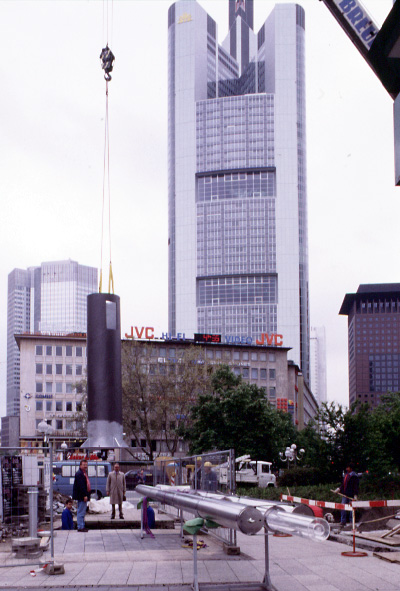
(374, 341)
(238, 260)
(318, 382)
(52, 369)
(47, 298)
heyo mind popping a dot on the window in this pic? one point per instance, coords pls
(68, 369)
(59, 351)
(210, 354)
(79, 407)
(49, 405)
(263, 357)
(162, 369)
(58, 369)
(272, 374)
(272, 356)
(263, 374)
(68, 406)
(39, 387)
(49, 387)
(49, 350)
(39, 368)
(78, 370)
(245, 356)
(143, 443)
(227, 354)
(236, 355)
(246, 372)
(272, 392)
(59, 424)
(218, 354)
(254, 373)
(59, 388)
(78, 351)
(68, 351)
(39, 350)
(49, 369)
(254, 356)
(58, 405)
(39, 405)
(68, 388)
(163, 351)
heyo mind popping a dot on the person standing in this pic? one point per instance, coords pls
(349, 491)
(116, 489)
(67, 521)
(81, 493)
(210, 481)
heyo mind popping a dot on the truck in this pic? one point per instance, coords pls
(250, 472)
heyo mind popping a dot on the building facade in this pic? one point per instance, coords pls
(238, 255)
(318, 379)
(373, 340)
(47, 298)
(53, 368)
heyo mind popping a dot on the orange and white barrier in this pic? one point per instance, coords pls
(367, 504)
(323, 504)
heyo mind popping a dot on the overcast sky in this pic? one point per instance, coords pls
(52, 106)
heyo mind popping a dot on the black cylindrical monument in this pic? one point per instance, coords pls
(104, 381)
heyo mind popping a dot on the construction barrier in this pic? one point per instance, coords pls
(323, 504)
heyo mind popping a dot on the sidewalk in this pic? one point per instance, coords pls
(119, 559)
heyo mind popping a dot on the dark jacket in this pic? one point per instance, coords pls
(80, 490)
(67, 520)
(350, 485)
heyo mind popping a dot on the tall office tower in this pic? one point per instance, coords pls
(318, 363)
(238, 260)
(49, 298)
(374, 341)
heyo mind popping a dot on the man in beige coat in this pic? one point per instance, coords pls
(116, 489)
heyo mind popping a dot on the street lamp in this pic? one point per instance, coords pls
(64, 447)
(290, 454)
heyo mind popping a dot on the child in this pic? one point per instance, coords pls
(66, 517)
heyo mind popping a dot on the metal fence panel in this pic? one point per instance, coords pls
(210, 472)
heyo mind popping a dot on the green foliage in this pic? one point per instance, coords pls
(237, 415)
(301, 475)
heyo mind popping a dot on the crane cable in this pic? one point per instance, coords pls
(107, 60)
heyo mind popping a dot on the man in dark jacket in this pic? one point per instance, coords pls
(349, 490)
(81, 493)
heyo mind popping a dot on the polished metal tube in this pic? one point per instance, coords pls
(285, 518)
(278, 520)
(248, 520)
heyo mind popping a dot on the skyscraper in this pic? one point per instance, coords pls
(374, 341)
(49, 298)
(238, 260)
(318, 363)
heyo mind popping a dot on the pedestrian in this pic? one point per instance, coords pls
(349, 491)
(67, 521)
(81, 493)
(210, 481)
(141, 477)
(116, 489)
(196, 476)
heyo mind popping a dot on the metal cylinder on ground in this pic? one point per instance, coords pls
(279, 520)
(104, 381)
(33, 494)
(248, 520)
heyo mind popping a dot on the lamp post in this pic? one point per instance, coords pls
(290, 454)
(47, 430)
(64, 447)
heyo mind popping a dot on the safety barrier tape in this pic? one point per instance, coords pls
(360, 504)
(326, 504)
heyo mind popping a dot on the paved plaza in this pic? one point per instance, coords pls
(113, 559)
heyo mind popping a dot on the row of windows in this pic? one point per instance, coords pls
(59, 350)
(62, 425)
(173, 354)
(57, 387)
(57, 406)
(59, 369)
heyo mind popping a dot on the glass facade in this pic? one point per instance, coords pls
(238, 254)
(49, 298)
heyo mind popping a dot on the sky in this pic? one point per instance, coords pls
(52, 108)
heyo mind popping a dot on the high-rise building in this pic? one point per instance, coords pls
(49, 298)
(318, 380)
(238, 259)
(374, 341)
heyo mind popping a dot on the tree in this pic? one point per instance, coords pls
(237, 415)
(157, 397)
